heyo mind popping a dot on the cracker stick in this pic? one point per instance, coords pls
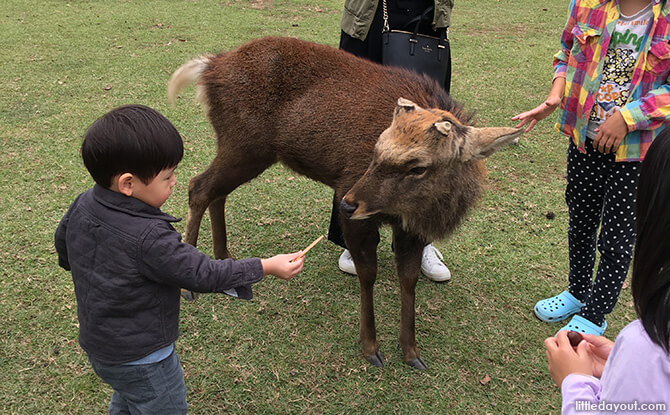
(310, 246)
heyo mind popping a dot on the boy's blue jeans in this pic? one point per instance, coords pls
(154, 388)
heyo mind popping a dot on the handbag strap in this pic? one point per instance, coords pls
(386, 27)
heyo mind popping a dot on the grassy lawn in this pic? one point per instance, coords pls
(293, 349)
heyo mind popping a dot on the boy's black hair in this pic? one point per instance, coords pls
(651, 267)
(131, 139)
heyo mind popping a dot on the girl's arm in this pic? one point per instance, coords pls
(578, 390)
(567, 40)
(647, 113)
(555, 96)
(544, 109)
(610, 134)
(650, 111)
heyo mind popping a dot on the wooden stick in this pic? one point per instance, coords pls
(310, 246)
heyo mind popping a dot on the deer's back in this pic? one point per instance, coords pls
(319, 110)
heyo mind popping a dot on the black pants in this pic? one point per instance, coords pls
(600, 193)
(400, 12)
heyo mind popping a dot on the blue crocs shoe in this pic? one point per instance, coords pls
(582, 325)
(558, 307)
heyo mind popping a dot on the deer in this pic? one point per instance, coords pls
(392, 144)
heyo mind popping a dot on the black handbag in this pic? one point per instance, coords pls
(421, 53)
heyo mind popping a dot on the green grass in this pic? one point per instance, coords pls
(293, 349)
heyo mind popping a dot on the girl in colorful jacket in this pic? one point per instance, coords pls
(611, 81)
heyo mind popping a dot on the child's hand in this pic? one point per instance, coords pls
(600, 348)
(610, 133)
(283, 266)
(564, 360)
(536, 114)
(544, 109)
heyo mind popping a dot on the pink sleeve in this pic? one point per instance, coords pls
(578, 391)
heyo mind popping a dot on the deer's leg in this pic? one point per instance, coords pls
(199, 197)
(217, 215)
(229, 169)
(362, 238)
(408, 249)
(198, 200)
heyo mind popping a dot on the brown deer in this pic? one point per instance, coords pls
(392, 144)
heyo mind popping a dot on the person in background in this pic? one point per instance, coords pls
(362, 25)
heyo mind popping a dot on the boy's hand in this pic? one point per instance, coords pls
(283, 266)
(610, 133)
(563, 360)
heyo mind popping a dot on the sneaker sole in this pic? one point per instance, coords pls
(436, 279)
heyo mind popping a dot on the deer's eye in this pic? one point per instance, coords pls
(417, 171)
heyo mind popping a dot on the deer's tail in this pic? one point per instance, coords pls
(187, 74)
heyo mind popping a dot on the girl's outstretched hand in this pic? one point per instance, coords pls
(544, 109)
(284, 266)
(536, 114)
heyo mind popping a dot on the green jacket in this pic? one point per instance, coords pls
(358, 15)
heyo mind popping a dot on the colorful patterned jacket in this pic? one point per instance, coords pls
(584, 44)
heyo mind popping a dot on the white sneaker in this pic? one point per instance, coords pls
(346, 263)
(432, 266)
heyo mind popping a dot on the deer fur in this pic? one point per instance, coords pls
(392, 144)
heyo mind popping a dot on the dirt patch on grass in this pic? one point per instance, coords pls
(318, 9)
(504, 30)
(255, 4)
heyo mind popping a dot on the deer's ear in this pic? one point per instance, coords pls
(444, 127)
(405, 105)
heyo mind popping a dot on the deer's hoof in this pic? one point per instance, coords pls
(189, 295)
(418, 364)
(376, 359)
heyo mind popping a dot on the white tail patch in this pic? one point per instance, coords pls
(187, 74)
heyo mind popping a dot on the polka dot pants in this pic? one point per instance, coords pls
(600, 193)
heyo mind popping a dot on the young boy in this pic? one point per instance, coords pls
(128, 263)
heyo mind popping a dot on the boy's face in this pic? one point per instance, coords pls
(158, 190)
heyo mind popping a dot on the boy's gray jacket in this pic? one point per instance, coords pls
(128, 264)
(358, 15)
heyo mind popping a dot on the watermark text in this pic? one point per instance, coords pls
(585, 406)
